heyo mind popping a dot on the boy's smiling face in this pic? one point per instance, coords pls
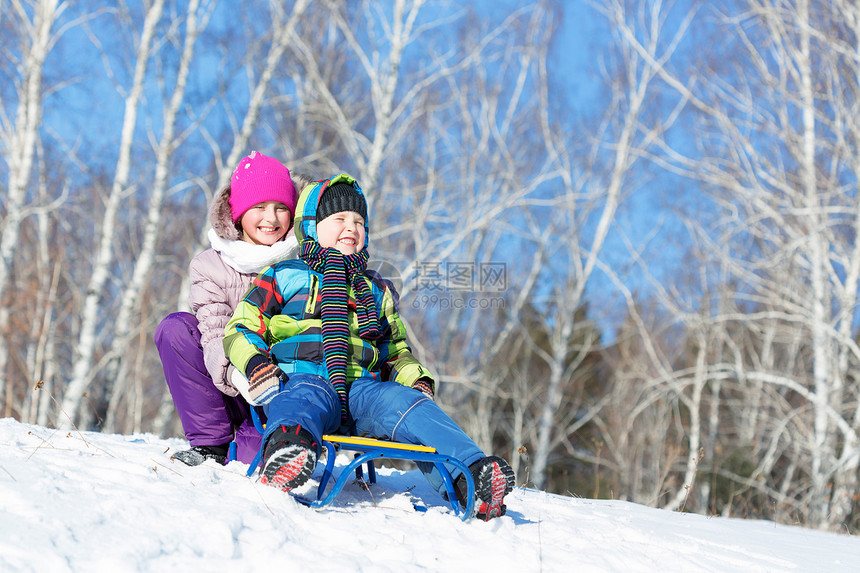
(343, 231)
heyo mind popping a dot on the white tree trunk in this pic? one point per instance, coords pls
(546, 422)
(822, 449)
(126, 321)
(847, 481)
(694, 432)
(82, 370)
(19, 149)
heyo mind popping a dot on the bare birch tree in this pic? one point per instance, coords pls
(778, 152)
(20, 122)
(802, 194)
(196, 19)
(82, 372)
(631, 120)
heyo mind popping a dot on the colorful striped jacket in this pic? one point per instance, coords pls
(279, 317)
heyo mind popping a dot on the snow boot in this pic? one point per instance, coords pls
(199, 454)
(494, 479)
(289, 458)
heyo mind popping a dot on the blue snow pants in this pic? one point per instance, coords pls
(385, 410)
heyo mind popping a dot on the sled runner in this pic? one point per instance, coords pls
(368, 450)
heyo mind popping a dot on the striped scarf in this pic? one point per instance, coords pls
(339, 272)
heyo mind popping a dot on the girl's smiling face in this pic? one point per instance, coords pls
(343, 231)
(266, 223)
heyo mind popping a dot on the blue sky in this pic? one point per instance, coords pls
(575, 65)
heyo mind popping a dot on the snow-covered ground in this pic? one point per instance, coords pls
(74, 501)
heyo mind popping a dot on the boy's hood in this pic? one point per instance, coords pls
(309, 199)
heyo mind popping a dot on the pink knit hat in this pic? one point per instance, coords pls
(259, 178)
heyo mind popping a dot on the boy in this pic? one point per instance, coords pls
(324, 350)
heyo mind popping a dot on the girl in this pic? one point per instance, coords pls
(251, 222)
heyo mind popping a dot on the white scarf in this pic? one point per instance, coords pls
(249, 258)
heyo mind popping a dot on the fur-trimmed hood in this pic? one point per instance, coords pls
(221, 218)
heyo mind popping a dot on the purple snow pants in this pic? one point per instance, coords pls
(209, 417)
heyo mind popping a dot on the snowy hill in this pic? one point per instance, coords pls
(95, 502)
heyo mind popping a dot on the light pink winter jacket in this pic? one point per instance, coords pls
(220, 277)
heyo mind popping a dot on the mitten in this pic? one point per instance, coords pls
(265, 380)
(424, 385)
